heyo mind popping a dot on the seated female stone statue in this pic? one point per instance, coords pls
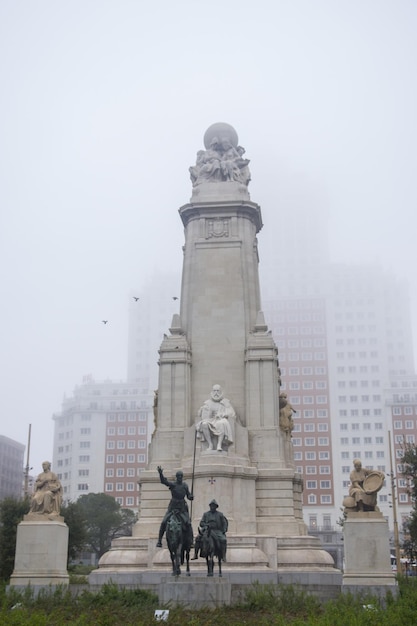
(47, 497)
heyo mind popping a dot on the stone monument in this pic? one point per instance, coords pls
(42, 537)
(366, 535)
(232, 450)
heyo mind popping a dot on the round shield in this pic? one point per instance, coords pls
(373, 482)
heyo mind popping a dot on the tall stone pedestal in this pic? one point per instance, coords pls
(41, 552)
(367, 555)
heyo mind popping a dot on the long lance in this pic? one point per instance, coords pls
(192, 476)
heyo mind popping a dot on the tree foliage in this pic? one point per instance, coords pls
(409, 461)
(104, 520)
(74, 519)
(93, 522)
(11, 513)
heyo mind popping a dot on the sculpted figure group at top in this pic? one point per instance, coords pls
(220, 162)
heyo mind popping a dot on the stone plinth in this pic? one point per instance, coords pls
(195, 594)
(41, 552)
(367, 554)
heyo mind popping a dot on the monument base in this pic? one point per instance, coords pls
(41, 552)
(367, 555)
(301, 560)
(214, 592)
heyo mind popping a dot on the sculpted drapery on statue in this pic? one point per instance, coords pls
(364, 487)
(47, 497)
(222, 160)
(214, 425)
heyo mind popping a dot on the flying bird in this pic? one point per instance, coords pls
(135, 298)
(174, 298)
(104, 321)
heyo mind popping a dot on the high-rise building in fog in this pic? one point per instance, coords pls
(344, 338)
(340, 350)
(11, 468)
(101, 439)
(150, 316)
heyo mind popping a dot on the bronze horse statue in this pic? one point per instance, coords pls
(179, 544)
(209, 548)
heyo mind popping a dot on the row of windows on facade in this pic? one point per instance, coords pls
(358, 328)
(404, 384)
(112, 417)
(312, 469)
(303, 343)
(322, 371)
(297, 317)
(10, 452)
(310, 441)
(362, 398)
(119, 472)
(131, 444)
(308, 399)
(345, 441)
(324, 499)
(111, 430)
(113, 405)
(311, 428)
(123, 430)
(121, 487)
(110, 458)
(357, 412)
(299, 330)
(121, 444)
(122, 458)
(409, 424)
(367, 454)
(115, 392)
(357, 369)
(307, 370)
(109, 487)
(293, 305)
(358, 383)
(311, 455)
(365, 426)
(346, 469)
(399, 439)
(306, 384)
(361, 354)
(130, 417)
(302, 356)
(311, 413)
(313, 484)
(406, 397)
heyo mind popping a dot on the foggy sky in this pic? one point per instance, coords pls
(103, 108)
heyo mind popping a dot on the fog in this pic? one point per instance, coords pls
(103, 108)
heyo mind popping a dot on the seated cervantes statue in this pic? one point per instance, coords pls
(364, 486)
(214, 425)
(47, 496)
